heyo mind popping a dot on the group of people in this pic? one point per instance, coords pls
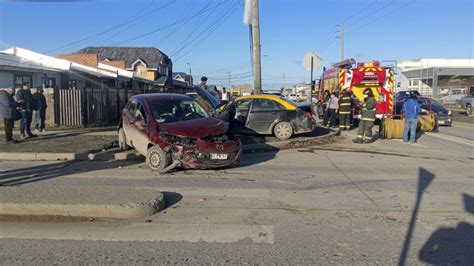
(22, 108)
(223, 95)
(344, 105)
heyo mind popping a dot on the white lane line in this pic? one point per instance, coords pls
(211, 233)
(452, 139)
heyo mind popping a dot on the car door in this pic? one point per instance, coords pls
(141, 130)
(128, 120)
(242, 110)
(263, 115)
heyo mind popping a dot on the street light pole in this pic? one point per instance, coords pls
(257, 63)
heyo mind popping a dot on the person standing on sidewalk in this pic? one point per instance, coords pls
(332, 107)
(40, 112)
(345, 110)
(367, 119)
(411, 109)
(27, 105)
(8, 112)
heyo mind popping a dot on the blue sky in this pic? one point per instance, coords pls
(210, 35)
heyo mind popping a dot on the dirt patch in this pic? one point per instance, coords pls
(59, 143)
(461, 116)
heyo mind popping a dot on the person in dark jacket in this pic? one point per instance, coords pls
(345, 110)
(40, 112)
(367, 119)
(27, 105)
(7, 112)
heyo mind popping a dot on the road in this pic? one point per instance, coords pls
(343, 203)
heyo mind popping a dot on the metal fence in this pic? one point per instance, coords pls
(92, 106)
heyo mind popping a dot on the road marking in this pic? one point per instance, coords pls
(211, 233)
(452, 139)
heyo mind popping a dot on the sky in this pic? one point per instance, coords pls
(209, 35)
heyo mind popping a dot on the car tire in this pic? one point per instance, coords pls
(122, 140)
(469, 110)
(157, 159)
(283, 130)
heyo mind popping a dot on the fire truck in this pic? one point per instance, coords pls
(356, 77)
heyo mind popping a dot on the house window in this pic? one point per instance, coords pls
(20, 79)
(73, 84)
(140, 70)
(49, 83)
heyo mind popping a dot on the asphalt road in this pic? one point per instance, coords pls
(383, 203)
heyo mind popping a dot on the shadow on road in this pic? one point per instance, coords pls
(451, 245)
(38, 173)
(424, 180)
(171, 198)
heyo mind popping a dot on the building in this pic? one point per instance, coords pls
(436, 77)
(182, 76)
(145, 62)
(77, 94)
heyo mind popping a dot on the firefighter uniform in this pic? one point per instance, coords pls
(368, 118)
(345, 111)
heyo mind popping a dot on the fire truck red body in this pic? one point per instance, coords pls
(356, 77)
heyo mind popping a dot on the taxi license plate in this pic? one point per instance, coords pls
(441, 122)
(218, 156)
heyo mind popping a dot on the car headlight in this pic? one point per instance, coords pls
(449, 112)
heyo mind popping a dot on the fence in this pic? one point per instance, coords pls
(92, 106)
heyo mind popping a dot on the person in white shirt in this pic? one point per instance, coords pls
(224, 96)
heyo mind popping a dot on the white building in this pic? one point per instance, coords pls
(436, 77)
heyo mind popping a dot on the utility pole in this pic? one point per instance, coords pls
(191, 81)
(341, 28)
(229, 81)
(257, 62)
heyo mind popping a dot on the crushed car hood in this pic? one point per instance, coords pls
(198, 128)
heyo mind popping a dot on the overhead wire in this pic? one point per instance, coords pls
(208, 32)
(197, 14)
(131, 20)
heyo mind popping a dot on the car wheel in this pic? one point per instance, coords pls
(283, 130)
(469, 110)
(157, 159)
(122, 140)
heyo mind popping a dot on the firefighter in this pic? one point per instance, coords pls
(368, 118)
(345, 110)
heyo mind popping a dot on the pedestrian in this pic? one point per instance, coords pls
(331, 110)
(411, 109)
(224, 96)
(345, 110)
(27, 105)
(9, 113)
(40, 112)
(203, 83)
(364, 134)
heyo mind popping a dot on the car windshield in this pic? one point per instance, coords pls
(425, 104)
(295, 104)
(177, 110)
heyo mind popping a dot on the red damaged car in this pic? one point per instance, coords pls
(173, 130)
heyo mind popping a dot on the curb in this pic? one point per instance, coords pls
(115, 154)
(97, 211)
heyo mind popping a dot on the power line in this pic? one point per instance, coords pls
(133, 19)
(383, 16)
(197, 14)
(210, 29)
(206, 34)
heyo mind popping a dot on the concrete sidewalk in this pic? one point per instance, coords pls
(85, 202)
